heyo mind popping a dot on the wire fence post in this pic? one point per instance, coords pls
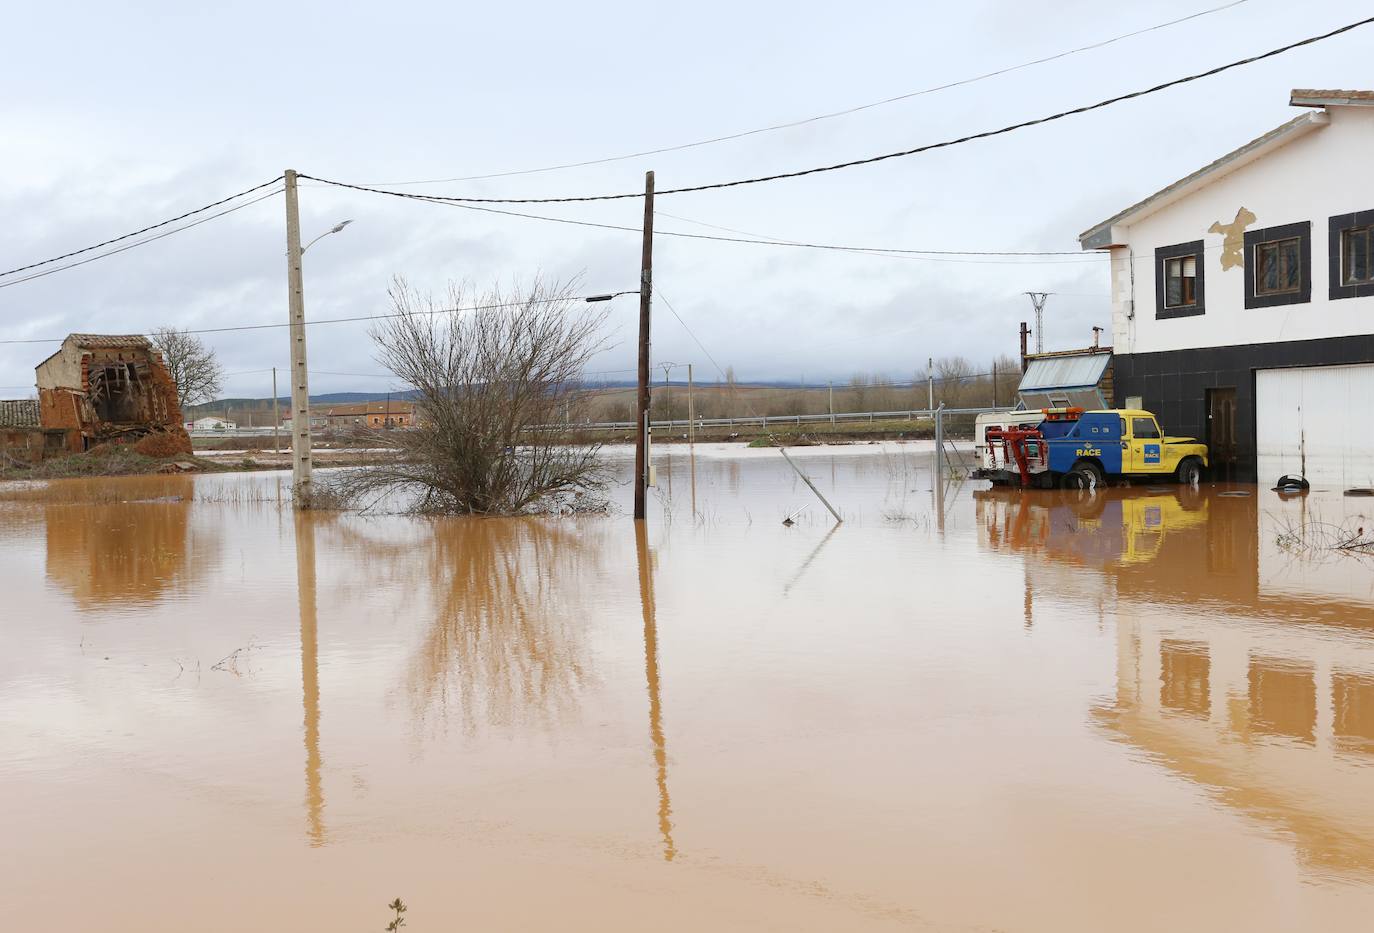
(940, 443)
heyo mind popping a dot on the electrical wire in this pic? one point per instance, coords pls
(340, 320)
(138, 243)
(888, 252)
(150, 227)
(824, 116)
(870, 160)
(694, 337)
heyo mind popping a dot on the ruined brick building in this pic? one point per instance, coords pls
(109, 389)
(22, 437)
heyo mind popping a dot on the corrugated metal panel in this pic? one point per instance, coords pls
(1089, 399)
(1064, 372)
(1304, 425)
(19, 413)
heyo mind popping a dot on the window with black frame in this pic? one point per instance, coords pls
(1350, 250)
(1179, 280)
(1278, 264)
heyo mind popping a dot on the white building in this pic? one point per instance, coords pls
(211, 424)
(1243, 298)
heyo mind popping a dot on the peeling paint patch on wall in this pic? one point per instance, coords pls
(1233, 246)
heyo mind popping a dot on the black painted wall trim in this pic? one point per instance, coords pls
(1335, 227)
(1173, 384)
(1253, 238)
(1173, 252)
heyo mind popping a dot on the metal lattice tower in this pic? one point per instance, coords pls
(1038, 300)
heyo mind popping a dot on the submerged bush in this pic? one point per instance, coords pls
(497, 391)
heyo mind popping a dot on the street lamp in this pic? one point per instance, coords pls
(608, 296)
(334, 229)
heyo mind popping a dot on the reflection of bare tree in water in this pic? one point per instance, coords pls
(506, 643)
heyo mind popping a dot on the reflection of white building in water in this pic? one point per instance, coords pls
(1241, 666)
(1275, 718)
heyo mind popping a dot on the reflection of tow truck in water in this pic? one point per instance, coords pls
(1074, 448)
(1117, 527)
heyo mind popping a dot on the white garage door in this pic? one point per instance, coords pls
(1308, 422)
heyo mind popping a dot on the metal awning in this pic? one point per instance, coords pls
(1064, 372)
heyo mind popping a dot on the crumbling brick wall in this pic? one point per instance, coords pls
(168, 408)
(61, 408)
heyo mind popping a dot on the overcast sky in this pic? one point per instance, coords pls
(121, 115)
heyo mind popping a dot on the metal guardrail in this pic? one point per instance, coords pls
(851, 417)
(763, 421)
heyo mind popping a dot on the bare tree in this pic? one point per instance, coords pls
(497, 391)
(191, 364)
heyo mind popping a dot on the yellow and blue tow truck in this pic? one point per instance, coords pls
(1070, 447)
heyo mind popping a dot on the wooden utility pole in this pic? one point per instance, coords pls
(300, 379)
(646, 284)
(276, 416)
(1025, 345)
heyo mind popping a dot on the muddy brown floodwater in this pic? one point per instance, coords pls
(971, 711)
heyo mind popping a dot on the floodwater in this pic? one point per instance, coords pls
(968, 710)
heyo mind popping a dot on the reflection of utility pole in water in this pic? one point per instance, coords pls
(310, 675)
(692, 455)
(1028, 600)
(646, 599)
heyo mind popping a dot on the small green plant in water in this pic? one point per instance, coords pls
(399, 921)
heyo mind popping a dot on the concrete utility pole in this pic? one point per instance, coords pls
(1038, 301)
(1025, 345)
(646, 284)
(300, 379)
(830, 386)
(276, 416)
(930, 384)
(691, 410)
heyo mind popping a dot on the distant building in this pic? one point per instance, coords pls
(211, 424)
(107, 388)
(318, 422)
(1243, 298)
(393, 414)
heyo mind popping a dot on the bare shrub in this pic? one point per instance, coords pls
(497, 391)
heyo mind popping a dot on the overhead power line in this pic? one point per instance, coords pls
(690, 333)
(824, 116)
(339, 320)
(928, 255)
(147, 229)
(137, 243)
(870, 160)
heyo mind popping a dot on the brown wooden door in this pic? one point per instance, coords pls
(1221, 431)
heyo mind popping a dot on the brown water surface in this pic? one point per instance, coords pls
(962, 709)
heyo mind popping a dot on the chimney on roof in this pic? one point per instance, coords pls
(1097, 337)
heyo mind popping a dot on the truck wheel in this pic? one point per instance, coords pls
(1084, 475)
(1189, 472)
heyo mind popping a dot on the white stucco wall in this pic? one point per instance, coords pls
(1319, 175)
